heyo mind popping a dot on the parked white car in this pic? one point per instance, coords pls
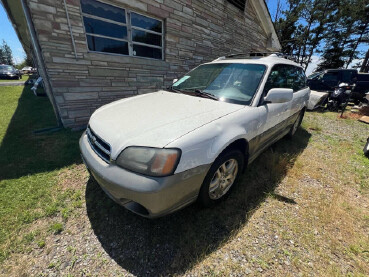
(158, 152)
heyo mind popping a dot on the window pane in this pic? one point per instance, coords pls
(277, 78)
(331, 76)
(103, 10)
(235, 83)
(99, 27)
(145, 37)
(238, 3)
(107, 45)
(302, 79)
(146, 22)
(149, 52)
(347, 76)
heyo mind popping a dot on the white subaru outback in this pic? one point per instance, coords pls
(158, 152)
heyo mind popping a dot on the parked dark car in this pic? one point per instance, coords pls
(9, 72)
(330, 79)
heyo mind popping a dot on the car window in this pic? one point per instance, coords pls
(6, 67)
(230, 82)
(281, 76)
(314, 75)
(300, 82)
(330, 76)
(285, 76)
(347, 76)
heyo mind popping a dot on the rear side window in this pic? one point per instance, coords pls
(330, 76)
(347, 76)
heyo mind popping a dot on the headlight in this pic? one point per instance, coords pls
(149, 161)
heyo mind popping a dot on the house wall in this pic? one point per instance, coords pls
(195, 32)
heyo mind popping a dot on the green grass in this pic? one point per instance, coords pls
(43, 192)
(29, 164)
(24, 78)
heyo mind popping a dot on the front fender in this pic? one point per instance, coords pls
(203, 146)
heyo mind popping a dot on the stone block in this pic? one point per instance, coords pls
(80, 96)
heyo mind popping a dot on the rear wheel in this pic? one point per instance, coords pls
(222, 175)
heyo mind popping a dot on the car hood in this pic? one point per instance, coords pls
(154, 119)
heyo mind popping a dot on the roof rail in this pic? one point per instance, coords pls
(259, 54)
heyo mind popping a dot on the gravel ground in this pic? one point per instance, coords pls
(292, 215)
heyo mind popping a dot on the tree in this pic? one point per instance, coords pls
(360, 29)
(332, 56)
(365, 65)
(349, 30)
(287, 27)
(6, 56)
(333, 28)
(2, 56)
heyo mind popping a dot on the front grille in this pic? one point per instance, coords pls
(101, 148)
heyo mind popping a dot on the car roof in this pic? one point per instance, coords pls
(340, 69)
(268, 61)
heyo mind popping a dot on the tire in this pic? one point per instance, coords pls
(366, 148)
(297, 124)
(212, 192)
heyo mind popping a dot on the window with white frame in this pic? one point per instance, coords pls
(112, 29)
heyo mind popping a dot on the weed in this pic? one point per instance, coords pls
(41, 243)
(56, 228)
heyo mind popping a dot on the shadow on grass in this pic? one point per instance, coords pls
(173, 244)
(21, 151)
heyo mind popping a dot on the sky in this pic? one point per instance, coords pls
(8, 34)
(315, 59)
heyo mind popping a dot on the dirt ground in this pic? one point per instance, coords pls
(301, 209)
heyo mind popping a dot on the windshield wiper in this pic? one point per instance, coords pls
(171, 88)
(205, 94)
(197, 92)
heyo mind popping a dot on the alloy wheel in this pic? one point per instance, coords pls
(223, 179)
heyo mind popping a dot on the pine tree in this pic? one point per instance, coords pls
(2, 56)
(7, 54)
(333, 55)
(350, 27)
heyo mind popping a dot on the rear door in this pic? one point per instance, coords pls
(300, 91)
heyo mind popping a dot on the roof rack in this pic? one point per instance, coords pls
(259, 54)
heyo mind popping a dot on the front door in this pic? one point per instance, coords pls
(273, 116)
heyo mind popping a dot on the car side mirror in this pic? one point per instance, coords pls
(175, 80)
(279, 95)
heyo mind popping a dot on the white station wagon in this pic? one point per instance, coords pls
(158, 152)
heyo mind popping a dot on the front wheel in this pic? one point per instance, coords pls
(222, 175)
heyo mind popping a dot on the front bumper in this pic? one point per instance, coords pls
(144, 195)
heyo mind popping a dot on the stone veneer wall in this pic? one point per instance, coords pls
(195, 32)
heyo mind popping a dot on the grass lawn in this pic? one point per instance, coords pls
(29, 165)
(301, 209)
(24, 78)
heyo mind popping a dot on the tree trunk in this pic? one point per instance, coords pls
(365, 65)
(356, 45)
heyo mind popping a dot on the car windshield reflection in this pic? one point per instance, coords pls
(229, 82)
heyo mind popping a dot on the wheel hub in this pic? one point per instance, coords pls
(223, 179)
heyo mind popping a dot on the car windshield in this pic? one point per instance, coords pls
(229, 82)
